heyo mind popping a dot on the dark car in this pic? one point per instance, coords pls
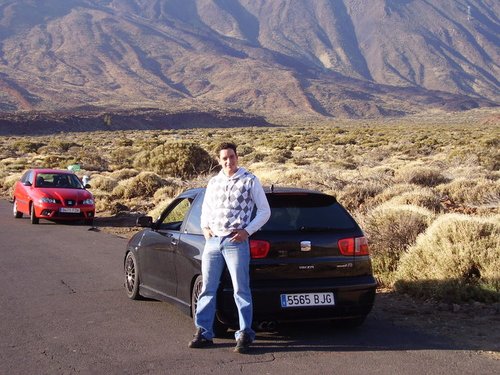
(310, 261)
(52, 194)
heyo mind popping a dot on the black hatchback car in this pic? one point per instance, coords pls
(310, 261)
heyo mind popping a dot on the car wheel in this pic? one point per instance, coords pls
(350, 323)
(131, 276)
(34, 219)
(17, 214)
(220, 329)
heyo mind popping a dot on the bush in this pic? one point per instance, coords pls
(473, 192)
(356, 195)
(457, 259)
(26, 146)
(177, 159)
(167, 192)
(144, 185)
(393, 191)
(424, 176)
(390, 230)
(124, 174)
(103, 183)
(423, 197)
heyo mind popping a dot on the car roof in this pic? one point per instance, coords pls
(267, 189)
(47, 170)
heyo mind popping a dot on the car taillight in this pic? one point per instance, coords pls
(259, 249)
(353, 246)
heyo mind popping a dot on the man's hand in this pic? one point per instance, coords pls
(239, 235)
(207, 232)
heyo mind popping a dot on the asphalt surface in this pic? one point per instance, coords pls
(64, 311)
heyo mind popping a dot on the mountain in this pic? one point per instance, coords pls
(348, 58)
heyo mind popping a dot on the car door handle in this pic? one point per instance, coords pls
(174, 241)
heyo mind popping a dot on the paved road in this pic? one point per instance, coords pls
(63, 311)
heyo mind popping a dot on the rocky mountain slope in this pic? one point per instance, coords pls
(282, 57)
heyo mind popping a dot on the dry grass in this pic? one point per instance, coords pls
(397, 177)
(455, 259)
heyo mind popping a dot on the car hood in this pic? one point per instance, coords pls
(64, 194)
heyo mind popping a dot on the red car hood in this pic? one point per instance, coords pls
(65, 194)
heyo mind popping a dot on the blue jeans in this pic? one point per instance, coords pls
(220, 251)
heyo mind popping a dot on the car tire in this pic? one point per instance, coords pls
(132, 281)
(220, 329)
(34, 219)
(17, 214)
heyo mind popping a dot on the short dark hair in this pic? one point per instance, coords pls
(225, 146)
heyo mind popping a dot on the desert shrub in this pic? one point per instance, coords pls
(144, 185)
(178, 159)
(345, 163)
(421, 196)
(393, 191)
(56, 161)
(124, 174)
(424, 176)
(60, 146)
(456, 259)
(279, 156)
(104, 183)
(473, 192)
(26, 146)
(167, 192)
(300, 160)
(255, 157)
(356, 195)
(119, 191)
(390, 230)
(7, 183)
(122, 156)
(90, 159)
(245, 150)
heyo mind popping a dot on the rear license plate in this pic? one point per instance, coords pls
(307, 299)
(69, 209)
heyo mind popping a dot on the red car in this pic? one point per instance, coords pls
(54, 195)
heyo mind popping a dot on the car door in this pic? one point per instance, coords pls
(21, 192)
(158, 249)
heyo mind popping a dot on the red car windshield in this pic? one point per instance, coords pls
(58, 180)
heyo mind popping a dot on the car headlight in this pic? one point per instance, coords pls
(88, 201)
(47, 200)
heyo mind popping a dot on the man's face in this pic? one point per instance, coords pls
(228, 160)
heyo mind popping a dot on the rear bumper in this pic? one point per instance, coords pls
(354, 297)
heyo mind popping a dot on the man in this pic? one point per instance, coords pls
(226, 213)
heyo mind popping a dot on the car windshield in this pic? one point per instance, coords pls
(306, 212)
(58, 180)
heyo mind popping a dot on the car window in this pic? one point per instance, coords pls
(193, 222)
(58, 180)
(25, 176)
(176, 214)
(306, 212)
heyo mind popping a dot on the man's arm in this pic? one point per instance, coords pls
(205, 210)
(263, 209)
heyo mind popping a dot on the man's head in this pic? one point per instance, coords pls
(228, 158)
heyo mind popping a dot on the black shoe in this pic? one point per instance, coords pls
(243, 343)
(199, 341)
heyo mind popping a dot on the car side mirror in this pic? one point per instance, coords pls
(144, 221)
(27, 183)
